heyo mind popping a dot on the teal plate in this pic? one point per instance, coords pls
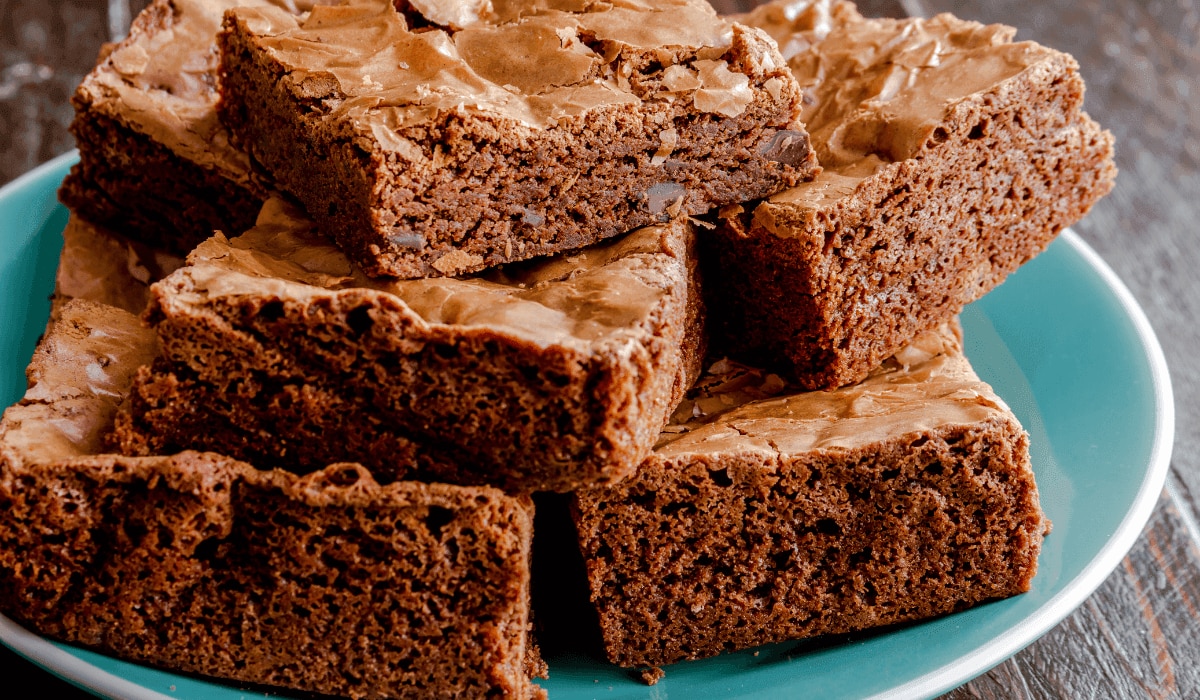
(1062, 341)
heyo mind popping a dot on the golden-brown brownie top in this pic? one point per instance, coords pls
(735, 408)
(608, 292)
(78, 375)
(101, 266)
(162, 80)
(877, 89)
(532, 61)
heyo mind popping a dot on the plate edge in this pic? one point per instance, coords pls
(1057, 609)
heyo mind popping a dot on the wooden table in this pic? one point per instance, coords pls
(1139, 635)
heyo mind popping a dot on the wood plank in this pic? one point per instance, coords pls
(47, 49)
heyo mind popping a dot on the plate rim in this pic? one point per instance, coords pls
(94, 679)
(26, 178)
(1067, 600)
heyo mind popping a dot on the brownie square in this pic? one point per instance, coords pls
(431, 145)
(544, 375)
(329, 583)
(154, 161)
(951, 155)
(766, 515)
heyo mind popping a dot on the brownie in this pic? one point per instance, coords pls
(106, 267)
(329, 582)
(154, 161)
(767, 514)
(476, 134)
(543, 375)
(951, 155)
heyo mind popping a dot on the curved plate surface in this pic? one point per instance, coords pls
(1062, 341)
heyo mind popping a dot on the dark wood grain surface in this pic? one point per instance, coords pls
(1138, 636)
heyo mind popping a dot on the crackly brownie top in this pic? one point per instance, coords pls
(735, 408)
(532, 61)
(608, 292)
(79, 373)
(875, 90)
(162, 79)
(101, 266)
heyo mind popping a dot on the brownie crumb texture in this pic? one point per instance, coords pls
(766, 515)
(652, 675)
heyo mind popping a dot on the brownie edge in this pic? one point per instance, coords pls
(155, 164)
(766, 515)
(934, 188)
(499, 162)
(544, 375)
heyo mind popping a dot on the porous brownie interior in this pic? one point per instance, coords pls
(545, 375)
(766, 515)
(204, 564)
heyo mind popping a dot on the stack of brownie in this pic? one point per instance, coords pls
(443, 255)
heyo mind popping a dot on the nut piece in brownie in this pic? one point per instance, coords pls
(951, 156)
(765, 514)
(472, 135)
(543, 375)
(154, 161)
(195, 562)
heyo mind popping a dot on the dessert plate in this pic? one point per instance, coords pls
(1062, 341)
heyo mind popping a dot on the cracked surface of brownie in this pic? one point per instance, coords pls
(951, 155)
(509, 130)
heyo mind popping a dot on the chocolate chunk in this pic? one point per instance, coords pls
(413, 241)
(788, 147)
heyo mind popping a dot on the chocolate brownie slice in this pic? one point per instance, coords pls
(154, 161)
(199, 563)
(545, 375)
(765, 515)
(951, 156)
(442, 143)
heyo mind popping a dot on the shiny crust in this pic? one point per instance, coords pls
(404, 151)
(952, 156)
